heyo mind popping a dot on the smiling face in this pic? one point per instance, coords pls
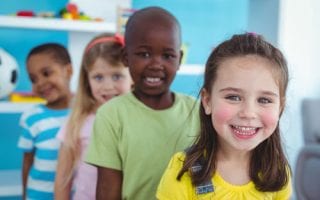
(50, 80)
(153, 56)
(244, 102)
(107, 81)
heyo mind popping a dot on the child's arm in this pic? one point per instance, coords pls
(26, 165)
(109, 184)
(62, 186)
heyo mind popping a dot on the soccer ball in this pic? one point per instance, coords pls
(8, 73)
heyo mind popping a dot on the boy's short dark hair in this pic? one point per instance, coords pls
(58, 52)
(153, 13)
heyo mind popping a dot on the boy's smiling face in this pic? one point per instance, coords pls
(153, 56)
(50, 80)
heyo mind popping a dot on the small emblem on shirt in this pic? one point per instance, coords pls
(205, 187)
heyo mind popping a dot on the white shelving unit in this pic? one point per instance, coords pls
(80, 33)
(56, 24)
(191, 69)
(10, 107)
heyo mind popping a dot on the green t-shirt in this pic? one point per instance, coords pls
(140, 141)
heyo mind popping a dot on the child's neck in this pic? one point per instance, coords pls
(156, 102)
(61, 103)
(234, 167)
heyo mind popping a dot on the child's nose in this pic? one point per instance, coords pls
(108, 84)
(156, 63)
(248, 110)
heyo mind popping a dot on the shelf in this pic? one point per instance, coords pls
(56, 24)
(191, 69)
(10, 107)
(10, 183)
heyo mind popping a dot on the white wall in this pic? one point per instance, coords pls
(299, 30)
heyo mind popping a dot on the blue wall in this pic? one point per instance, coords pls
(204, 23)
(11, 157)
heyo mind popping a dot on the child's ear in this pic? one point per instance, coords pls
(181, 56)
(69, 70)
(124, 57)
(205, 100)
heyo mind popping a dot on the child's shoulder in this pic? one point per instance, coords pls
(33, 110)
(185, 97)
(186, 100)
(177, 160)
(117, 102)
(41, 111)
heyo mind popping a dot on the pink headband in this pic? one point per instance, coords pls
(252, 33)
(116, 38)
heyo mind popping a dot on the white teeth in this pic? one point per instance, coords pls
(152, 80)
(244, 128)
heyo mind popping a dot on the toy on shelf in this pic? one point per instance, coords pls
(46, 14)
(8, 73)
(123, 15)
(24, 97)
(25, 13)
(71, 12)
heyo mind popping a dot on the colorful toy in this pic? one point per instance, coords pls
(123, 15)
(71, 11)
(8, 73)
(25, 13)
(23, 97)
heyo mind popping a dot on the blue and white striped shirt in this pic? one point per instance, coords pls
(39, 128)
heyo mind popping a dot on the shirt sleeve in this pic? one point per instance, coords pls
(26, 139)
(103, 149)
(170, 188)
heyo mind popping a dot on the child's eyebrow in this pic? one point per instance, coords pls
(143, 46)
(44, 68)
(170, 49)
(263, 92)
(269, 93)
(230, 89)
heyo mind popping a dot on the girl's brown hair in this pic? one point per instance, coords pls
(268, 167)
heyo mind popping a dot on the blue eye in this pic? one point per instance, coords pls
(233, 98)
(98, 77)
(264, 100)
(116, 77)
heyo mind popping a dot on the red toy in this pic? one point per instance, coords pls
(25, 13)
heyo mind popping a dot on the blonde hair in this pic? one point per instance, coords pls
(84, 103)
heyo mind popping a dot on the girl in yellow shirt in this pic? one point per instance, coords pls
(238, 153)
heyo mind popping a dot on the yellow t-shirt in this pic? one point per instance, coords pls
(172, 189)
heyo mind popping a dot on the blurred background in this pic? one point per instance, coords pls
(291, 25)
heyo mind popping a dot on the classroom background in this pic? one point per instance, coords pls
(291, 25)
